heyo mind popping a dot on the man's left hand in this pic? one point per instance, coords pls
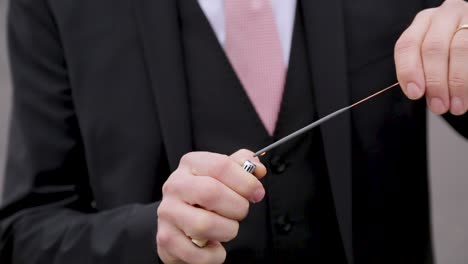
(431, 58)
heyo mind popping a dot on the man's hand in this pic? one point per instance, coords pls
(431, 58)
(205, 198)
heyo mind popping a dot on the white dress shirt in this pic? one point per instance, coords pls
(284, 10)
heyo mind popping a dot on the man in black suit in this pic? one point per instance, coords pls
(129, 118)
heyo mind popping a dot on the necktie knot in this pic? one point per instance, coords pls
(256, 5)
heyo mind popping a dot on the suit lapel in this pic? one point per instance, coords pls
(159, 31)
(325, 35)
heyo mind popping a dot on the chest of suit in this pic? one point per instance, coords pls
(130, 94)
(106, 60)
(223, 119)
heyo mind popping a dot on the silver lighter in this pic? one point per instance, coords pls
(249, 166)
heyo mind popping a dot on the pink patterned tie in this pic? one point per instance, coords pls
(254, 49)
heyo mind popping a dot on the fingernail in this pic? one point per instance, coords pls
(258, 195)
(457, 106)
(413, 91)
(437, 106)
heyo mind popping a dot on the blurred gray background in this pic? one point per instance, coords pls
(448, 159)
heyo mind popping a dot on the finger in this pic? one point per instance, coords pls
(198, 223)
(408, 60)
(166, 257)
(242, 155)
(227, 171)
(176, 247)
(436, 49)
(210, 194)
(458, 75)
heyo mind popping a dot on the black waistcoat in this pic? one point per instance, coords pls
(296, 219)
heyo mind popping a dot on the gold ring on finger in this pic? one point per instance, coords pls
(464, 26)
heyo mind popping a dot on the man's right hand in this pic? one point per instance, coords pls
(204, 199)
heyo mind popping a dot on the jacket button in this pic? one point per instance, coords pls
(283, 224)
(277, 164)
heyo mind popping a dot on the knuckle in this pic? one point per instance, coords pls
(186, 158)
(210, 194)
(405, 45)
(433, 82)
(460, 44)
(164, 188)
(167, 188)
(201, 225)
(453, 4)
(457, 82)
(173, 185)
(425, 12)
(433, 46)
(164, 238)
(164, 210)
(407, 71)
(223, 164)
(244, 152)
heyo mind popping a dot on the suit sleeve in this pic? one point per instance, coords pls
(46, 215)
(459, 123)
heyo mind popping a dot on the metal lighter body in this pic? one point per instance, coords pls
(249, 166)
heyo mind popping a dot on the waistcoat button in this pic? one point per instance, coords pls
(277, 164)
(283, 224)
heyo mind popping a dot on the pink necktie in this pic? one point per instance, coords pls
(254, 50)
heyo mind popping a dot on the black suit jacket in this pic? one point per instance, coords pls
(100, 119)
